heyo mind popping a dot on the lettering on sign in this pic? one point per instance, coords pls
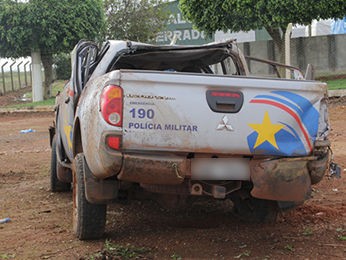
(182, 35)
(163, 127)
(149, 97)
(176, 19)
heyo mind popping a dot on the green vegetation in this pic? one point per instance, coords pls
(48, 27)
(135, 20)
(7, 256)
(336, 84)
(56, 87)
(274, 16)
(62, 62)
(31, 105)
(16, 85)
(342, 236)
(246, 253)
(307, 232)
(289, 248)
(114, 251)
(175, 256)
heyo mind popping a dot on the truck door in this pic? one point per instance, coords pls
(83, 58)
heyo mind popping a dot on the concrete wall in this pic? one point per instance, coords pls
(326, 53)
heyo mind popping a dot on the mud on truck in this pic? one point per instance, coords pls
(185, 121)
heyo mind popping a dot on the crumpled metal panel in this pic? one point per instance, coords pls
(280, 180)
(170, 170)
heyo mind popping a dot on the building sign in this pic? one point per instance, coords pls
(180, 29)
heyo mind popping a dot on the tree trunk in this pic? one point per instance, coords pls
(37, 91)
(47, 61)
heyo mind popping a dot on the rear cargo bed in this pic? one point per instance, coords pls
(180, 112)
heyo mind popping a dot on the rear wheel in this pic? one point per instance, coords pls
(251, 209)
(89, 220)
(55, 184)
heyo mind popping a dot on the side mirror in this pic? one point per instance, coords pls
(310, 72)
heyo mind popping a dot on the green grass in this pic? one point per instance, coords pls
(7, 256)
(115, 251)
(57, 86)
(8, 82)
(47, 102)
(336, 84)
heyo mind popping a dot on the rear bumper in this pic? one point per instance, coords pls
(284, 179)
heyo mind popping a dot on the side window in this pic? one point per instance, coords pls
(85, 59)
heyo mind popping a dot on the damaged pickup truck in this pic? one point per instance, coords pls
(185, 121)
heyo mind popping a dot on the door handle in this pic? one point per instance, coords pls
(67, 100)
(225, 101)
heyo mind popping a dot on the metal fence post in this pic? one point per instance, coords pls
(12, 75)
(26, 80)
(18, 70)
(30, 69)
(3, 77)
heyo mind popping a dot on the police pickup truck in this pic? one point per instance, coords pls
(185, 121)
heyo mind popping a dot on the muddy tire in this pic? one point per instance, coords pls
(55, 184)
(255, 210)
(89, 220)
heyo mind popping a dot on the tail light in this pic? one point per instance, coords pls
(112, 105)
(113, 142)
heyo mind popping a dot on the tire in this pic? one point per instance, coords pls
(255, 210)
(55, 184)
(89, 220)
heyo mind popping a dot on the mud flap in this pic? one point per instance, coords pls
(63, 173)
(280, 180)
(99, 191)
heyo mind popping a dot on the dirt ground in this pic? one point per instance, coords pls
(41, 222)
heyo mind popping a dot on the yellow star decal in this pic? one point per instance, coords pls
(67, 130)
(266, 131)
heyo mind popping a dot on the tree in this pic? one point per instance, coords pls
(273, 15)
(137, 20)
(47, 27)
(62, 65)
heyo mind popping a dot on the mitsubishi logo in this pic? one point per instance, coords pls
(224, 124)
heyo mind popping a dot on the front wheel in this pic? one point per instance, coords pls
(89, 220)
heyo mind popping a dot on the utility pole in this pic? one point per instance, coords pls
(288, 49)
(37, 90)
(3, 77)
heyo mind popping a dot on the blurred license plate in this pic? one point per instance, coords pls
(220, 169)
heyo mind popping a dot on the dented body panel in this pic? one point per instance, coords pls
(282, 179)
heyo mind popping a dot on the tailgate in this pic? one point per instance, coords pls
(219, 114)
